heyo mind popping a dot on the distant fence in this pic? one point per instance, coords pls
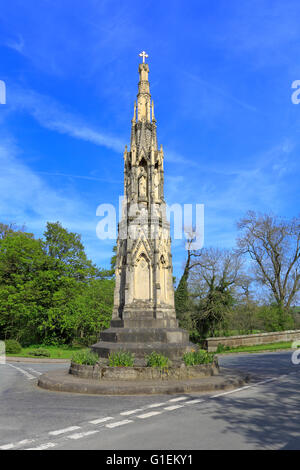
(211, 344)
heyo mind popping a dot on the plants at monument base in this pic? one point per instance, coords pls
(222, 348)
(40, 352)
(85, 357)
(201, 356)
(157, 360)
(121, 359)
(12, 346)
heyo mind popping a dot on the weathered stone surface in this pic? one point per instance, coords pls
(144, 317)
(62, 381)
(177, 372)
(211, 344)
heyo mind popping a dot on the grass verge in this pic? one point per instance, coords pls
(259, 348)
(56, 352)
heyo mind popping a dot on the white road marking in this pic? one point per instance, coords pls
(124, 413)
(79, 435)
(101, 420)
(17, 444)
(119, 423)
(43, 446)
(244, 388)
(191, 402)
(148, 415)
(230, 391)
(25, 441)
(131, 412)
(62, 431)
(173, 407)
(7, 446)
(34, 371)
(155, 405)
(24, 372)
(179, 399)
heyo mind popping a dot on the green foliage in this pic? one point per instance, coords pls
(12, 346)
(200, 356)
(273, 318)
(40, 352)
(50, 292)
(181, 297)
(222, 348)
(85, 357)
(157, 360)
(211, 311)
(121, 359)
(67, 249)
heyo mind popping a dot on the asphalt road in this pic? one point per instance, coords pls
(262, 415)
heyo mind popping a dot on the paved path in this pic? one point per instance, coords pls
(263, 415)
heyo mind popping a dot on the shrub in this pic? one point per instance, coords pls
(85, 357)
(198, 357)
(39, 352)
(157, 360)
(121, 359)
(222, 348)
(12, 346)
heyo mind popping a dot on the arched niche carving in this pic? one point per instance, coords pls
(142, 278)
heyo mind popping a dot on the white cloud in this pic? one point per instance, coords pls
(26, 198)
(51, 115)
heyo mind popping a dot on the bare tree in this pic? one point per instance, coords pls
(217, 268)
(181, 293)
(274, 245)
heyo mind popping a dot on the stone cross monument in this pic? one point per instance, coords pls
(144, 318)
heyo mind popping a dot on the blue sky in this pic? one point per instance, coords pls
(220, 76)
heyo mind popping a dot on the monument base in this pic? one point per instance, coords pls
(142, 336)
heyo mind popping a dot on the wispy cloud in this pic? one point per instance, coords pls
(16, 44)
(219, 91)
(51, 115)
(27, 198)
(83, 177)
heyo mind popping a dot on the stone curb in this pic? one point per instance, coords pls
(37, 360)
(62, 381)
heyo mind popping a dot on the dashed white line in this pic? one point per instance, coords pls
(244, 388)
(230, 391)
(148, 415)
(178, 399)
(34, 371)
(101, 420)
(46, 446)
(7, 446)
(25, 442)
(62, 431)
(119, 423)
(79, 435)
(155, 405)
(17, 444)
(173, 407)
(131, 412)
(192, 402)
(24, 372)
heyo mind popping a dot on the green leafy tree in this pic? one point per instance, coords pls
(67, 247)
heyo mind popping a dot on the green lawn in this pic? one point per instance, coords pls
(56, 352)
(260, 347)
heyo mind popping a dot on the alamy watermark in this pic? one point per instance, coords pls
(188, 222)
(2, 353)
(296, 353)
(2, 92)
(296, 94)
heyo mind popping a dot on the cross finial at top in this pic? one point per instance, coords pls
(144, 55)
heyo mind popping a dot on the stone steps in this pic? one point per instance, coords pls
(145, 335)
(171, 350)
